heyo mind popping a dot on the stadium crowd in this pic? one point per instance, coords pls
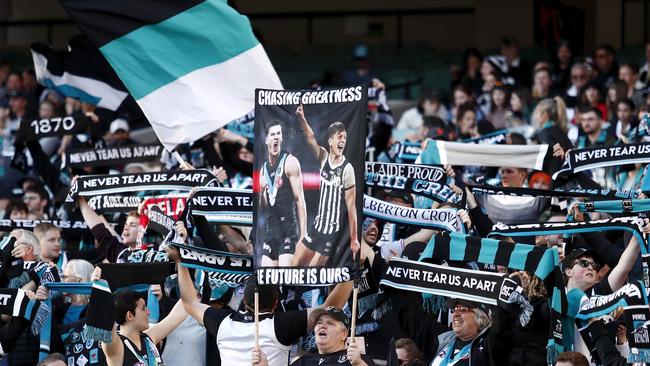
(571, 102)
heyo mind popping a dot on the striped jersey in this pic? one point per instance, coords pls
(334, 181)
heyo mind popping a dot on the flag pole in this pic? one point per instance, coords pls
(353, 324)
(257, 319)
(179, 158)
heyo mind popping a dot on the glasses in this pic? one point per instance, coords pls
(585, 263)
(71, 278)
(460, 309)
(30, 198)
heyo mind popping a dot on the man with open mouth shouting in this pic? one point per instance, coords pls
(281, 192)
(331, 332)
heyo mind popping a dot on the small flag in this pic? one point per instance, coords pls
(80, 72)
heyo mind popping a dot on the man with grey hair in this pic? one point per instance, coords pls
(26, 246)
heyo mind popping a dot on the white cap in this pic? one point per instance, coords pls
(119, 124)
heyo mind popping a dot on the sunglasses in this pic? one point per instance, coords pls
(585, 263)
(460, 309)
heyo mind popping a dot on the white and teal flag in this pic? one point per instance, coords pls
(192, 66)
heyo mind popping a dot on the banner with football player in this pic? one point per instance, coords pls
(308, 184)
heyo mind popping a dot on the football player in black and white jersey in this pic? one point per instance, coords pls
(281, 193)
(337, 197)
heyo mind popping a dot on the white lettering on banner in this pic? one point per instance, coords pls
(422, 216)
(302, 276)
(278, 97)
(32, 223)
(4, 299)
(215, 259)
(614, 151)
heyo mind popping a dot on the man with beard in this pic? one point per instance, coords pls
(283, 201)
(337, 197)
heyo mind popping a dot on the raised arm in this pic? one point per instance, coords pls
(89, 215)
(159, 331)
(318, 151)
(337, 298)
(189, 296)
(618, 276)
(292, 169)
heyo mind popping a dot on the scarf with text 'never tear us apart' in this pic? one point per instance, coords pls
(223, 205)
(458, 283)
(542, 262)
(578, 160)
(92, 185)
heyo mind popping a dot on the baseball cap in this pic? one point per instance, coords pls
(335, 313)
(580, 252)
(119, 124)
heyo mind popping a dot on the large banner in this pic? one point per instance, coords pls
(306, 230)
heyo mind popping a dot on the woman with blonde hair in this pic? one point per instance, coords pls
(550, 118)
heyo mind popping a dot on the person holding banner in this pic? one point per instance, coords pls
(337, 196)
(285, 202)
(235, 330)
(116, 250)
(332, 330)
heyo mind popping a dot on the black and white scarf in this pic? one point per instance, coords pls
(458, 153)
(423, 180)
(438, 219)
(92, 185)
(532, 192)
(15, 302)
(479, 286)
(110, 156)
(101, 308)
(113, 203)
(631, 297)
(223, 268)
(578, 160)
(631, 224)
(64, 225)
(224, 205)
